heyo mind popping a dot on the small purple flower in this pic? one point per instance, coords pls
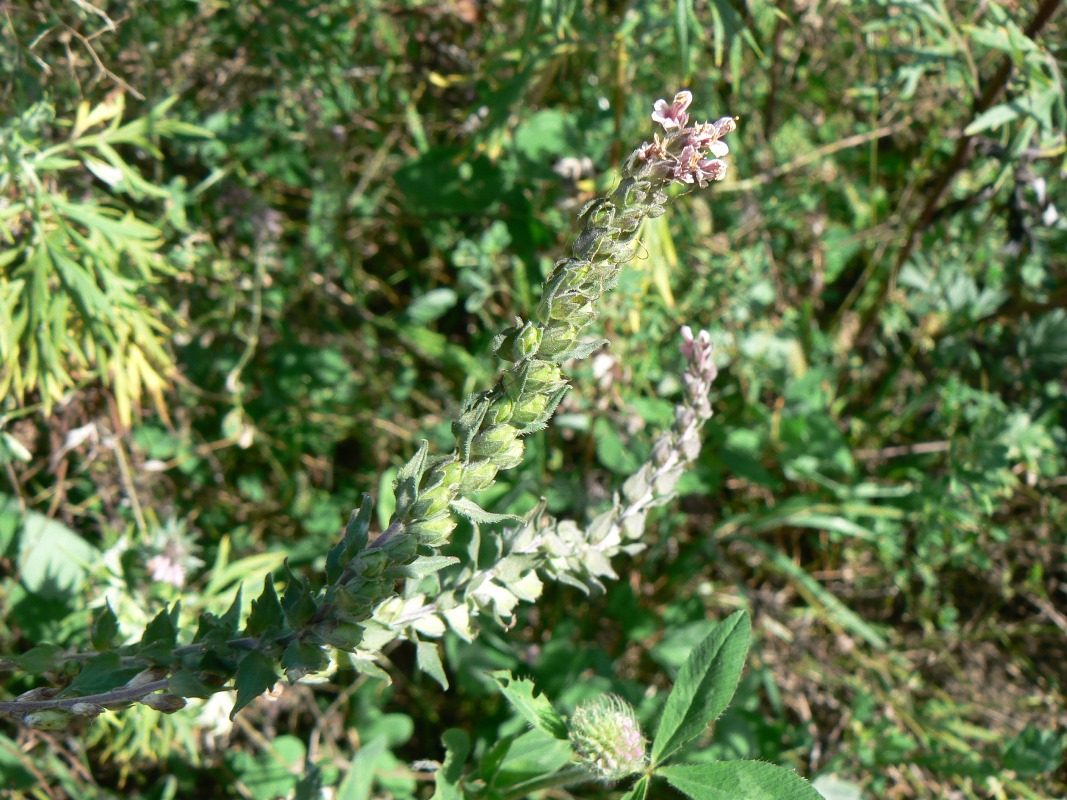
(673, 116)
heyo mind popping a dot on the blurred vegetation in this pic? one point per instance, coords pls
(250, 252)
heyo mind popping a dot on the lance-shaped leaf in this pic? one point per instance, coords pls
(705, 685)
(355, 539)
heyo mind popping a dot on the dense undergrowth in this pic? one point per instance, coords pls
(251, 253)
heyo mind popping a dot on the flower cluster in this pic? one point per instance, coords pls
(685, 151)
(606, 738)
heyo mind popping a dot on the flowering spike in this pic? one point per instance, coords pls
(489, 432)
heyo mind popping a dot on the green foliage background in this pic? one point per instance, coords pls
(250, 252)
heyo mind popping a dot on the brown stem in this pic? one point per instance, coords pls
(116, 697)
(955, 165)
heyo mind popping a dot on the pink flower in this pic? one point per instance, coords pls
(656, 150)
(709, 169)
(166, 570)
(693, 167)
(673, 116)
(705, 136)
(698, 350)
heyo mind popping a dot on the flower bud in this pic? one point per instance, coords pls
(598, 212)
(606, 738)
(542, 376)
(532, 409)
(509, 456)
(499, 412)
(373, 563)
(354, 604)
(146, 676)
(558, 340)
(477, 477)
(164, 703)
(568, 305)
(519, 342)
(431, 502)
(90, 710)
(448, 474)
(433, 531)
(49, 719)
(489, 442)
(342, 635)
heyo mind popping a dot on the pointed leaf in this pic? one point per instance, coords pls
(490, 764)
(218, 629)
(105, 628)
(638, 792)
(536, 710)
(266, 611)
(475, 513)
(186, 683)
(41, 659)
(160, 636)
(100, 673)
(706, 682)
(406, 486)
(300, 658)
(355, 539)
(427, 565)
(729, 780)
(297, 601)
(255, 675)
(429, 661)
(994, 117)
